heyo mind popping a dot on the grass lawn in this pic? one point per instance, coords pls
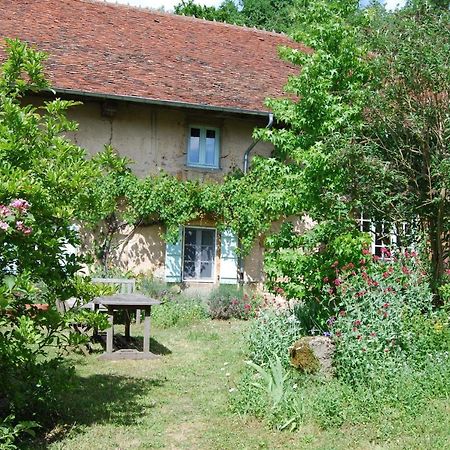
(180, 401)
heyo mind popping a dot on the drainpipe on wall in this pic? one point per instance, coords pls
(246, 165)
(252, 145)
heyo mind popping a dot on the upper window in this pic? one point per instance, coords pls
(203, 147)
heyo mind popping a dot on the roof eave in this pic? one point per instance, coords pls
(150, 101)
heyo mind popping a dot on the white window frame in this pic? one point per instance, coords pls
(202, 148)
(200, 280)
(391, 233)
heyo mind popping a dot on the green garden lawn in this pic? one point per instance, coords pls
(180, 401)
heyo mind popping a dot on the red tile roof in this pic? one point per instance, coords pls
(106, 49)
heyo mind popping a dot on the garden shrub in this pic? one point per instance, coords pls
(374, 304)
(179, 310)
(392, 351)
(270, 335)
(46, 183)
(230, 301)
(154, 288)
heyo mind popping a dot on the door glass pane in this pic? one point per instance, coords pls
(189, 269)
(206, 269)
(189, 253)
(208, 237)
(190, 236)
(207, 253)
(194, 146)
(210, 148)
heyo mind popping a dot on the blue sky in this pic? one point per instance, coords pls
(169, 4)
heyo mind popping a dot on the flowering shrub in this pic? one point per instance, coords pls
(15, 218)
(228, 301)
(373, 307)
(298, 266)
(46, 183)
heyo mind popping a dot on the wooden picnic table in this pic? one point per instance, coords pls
(127, 302)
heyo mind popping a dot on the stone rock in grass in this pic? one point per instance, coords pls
(313, 354)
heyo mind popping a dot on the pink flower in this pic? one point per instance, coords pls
(373, 334)
(342, 312)
(20, 204)
(362, 262)
(3, 226)
(247, 306)
(335, 264)
(4, 211)
(357, 323)
(386, 305)
(385, 252)
(325, 279)
(331, 291)
(386, 274)
(376, 258)
(337, 282)
(365, 251)
(405, 270)
(24, 229)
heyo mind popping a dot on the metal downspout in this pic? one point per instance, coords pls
(252, 145)
(246, 165)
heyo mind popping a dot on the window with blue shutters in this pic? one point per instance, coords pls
(173, 261)
(228, 258)
(193, 256)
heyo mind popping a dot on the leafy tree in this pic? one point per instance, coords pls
(406, 136)
(225, 12)
(269, 15)
(44, 185)
(264, 14)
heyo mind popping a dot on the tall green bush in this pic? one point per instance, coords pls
(45, 181)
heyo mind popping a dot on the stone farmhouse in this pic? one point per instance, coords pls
(172, 93)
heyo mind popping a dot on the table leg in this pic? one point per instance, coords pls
(127, 324)
(95, 330)
(110, 331)
(146, 347)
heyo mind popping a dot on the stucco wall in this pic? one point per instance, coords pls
(155, 138)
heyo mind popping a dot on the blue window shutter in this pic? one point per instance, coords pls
(228, 260)
(174, 261)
